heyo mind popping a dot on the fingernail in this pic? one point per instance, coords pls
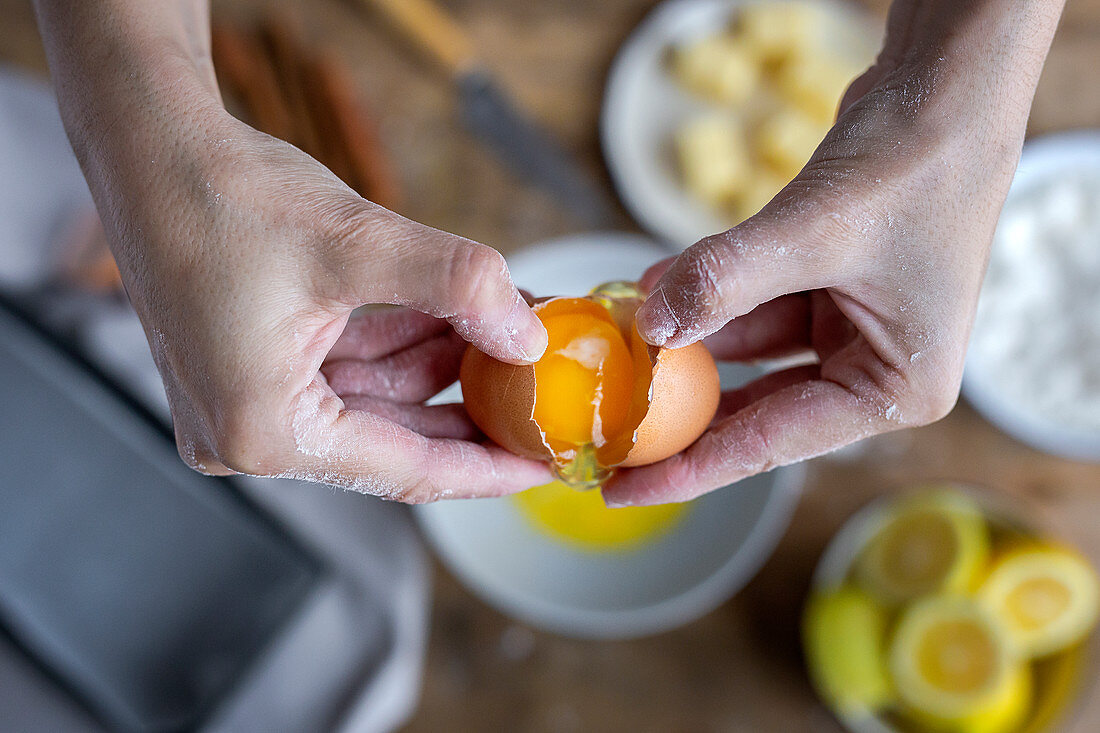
(526, 332)
(616, 503)
(530, 337)
(613, 499)
(535, 342)
(655, 320)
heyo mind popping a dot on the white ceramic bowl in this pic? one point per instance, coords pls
(1041, 158)
(711, 553)
(644, 106)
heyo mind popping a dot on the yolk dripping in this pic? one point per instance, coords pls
(584, 381)
(581, 519)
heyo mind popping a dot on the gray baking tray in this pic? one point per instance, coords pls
(145, 590)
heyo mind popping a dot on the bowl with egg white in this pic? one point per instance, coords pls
(557, 558)
(1033, 368)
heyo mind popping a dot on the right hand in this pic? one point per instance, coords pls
(872, 258)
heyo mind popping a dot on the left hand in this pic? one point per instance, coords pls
(389, 361)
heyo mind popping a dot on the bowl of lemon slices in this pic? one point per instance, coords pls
(941, 610)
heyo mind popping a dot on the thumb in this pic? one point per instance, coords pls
(459, 280)
(725, 276)
(653, 274)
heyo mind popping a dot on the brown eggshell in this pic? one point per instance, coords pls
(683, 399)
(500, 399)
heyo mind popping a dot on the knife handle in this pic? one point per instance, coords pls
(435, 32)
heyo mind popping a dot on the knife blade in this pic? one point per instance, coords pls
(529, 150)
(487, 112)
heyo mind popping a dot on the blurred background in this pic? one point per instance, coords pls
(740, 667)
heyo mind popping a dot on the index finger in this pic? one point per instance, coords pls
(365, 452)
(799, 421)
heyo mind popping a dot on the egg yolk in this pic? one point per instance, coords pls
(581, 519)
(584, 381)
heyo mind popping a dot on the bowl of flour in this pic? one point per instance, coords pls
(1034, 363)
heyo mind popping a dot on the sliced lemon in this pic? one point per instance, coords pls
(935, 541)
(1003, 715)
(843, 634)
(1047, 597)
(955, 669)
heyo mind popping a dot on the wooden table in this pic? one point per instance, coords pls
(739, 668)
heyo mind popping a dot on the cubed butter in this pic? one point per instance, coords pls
(718, 68)
(778, 30)
(814, 82)
(714, 157)
(761, 188)
(786, 139)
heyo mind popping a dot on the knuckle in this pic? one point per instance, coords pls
(243, 448)
(195, 457)
(915, 398)
(936, 378)
(192, 444)
(884, 394)
(238, 455)
(758, 448)
(940, 403)
(349, 233)
(716, 254)
(864, 209)
(742, 446)
(349, 225)
(934, 400)
(476, 276)
(417, 495)
(416, 489)
(704, 272)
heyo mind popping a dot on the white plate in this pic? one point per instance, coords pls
(643, 107)
(717, 547)
(1042, 158)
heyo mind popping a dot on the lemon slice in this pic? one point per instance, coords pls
(842, 631)
(955, 670)
(932, 542)
(1048, 598)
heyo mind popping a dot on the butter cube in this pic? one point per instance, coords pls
(761, 188)
(717, 68)
(777, 30)
(814, 82)
(786, 139)
(714, 157)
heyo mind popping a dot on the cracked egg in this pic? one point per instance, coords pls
(600, 397)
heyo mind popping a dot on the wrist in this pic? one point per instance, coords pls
(135, 88)
(985, 55)
(959, 75)
(123, 66)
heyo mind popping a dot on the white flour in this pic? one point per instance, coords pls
(1037, 332)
